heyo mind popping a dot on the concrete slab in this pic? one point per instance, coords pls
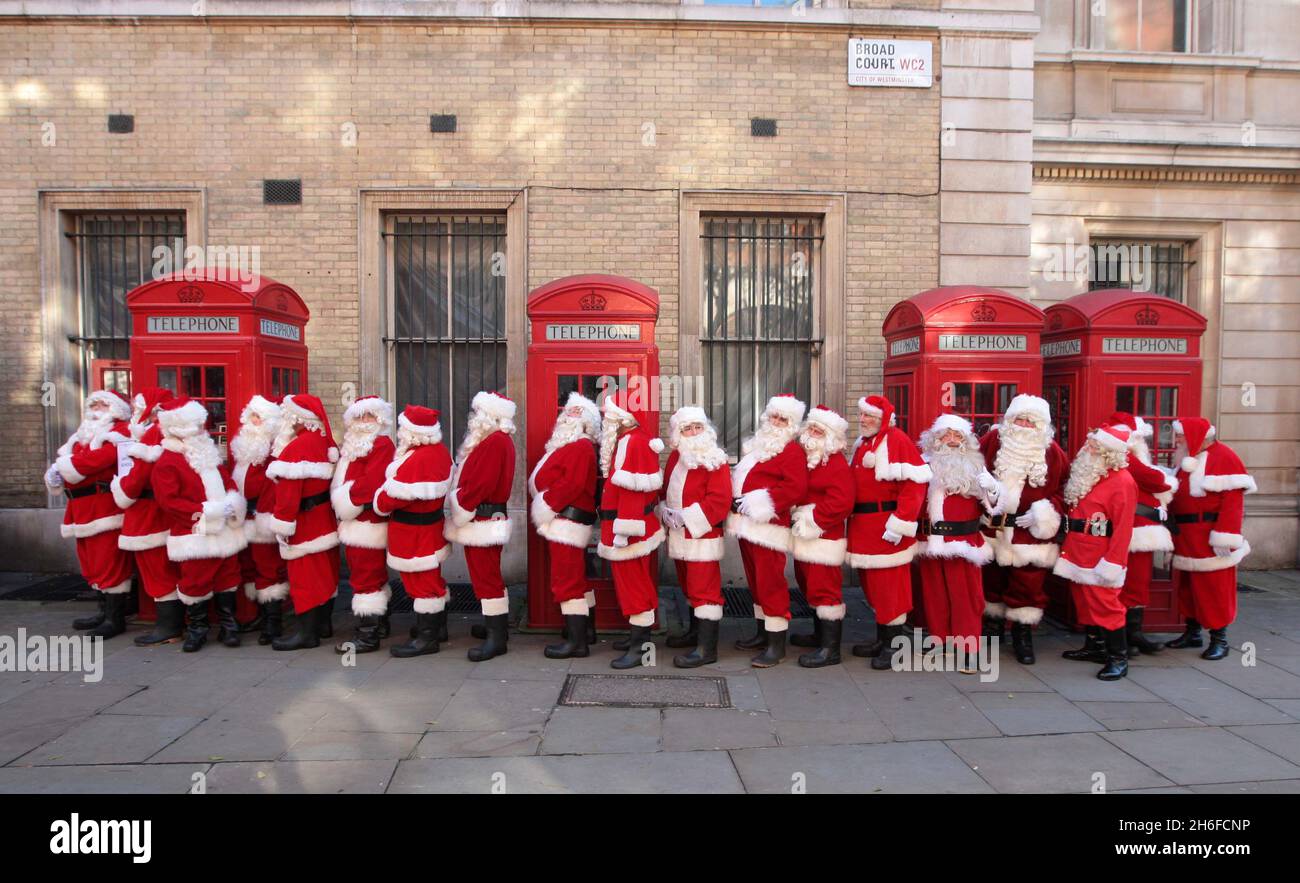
(1204, 755)
(1026, 714)
(497, 705)
(793, 733)
(324, 744)
(602, 731)
(715, 729)
(106, 779)
(914, 767)
(679, 772)
(1137, 715)
(1067, 763)
(108, 738)
(489, 743)
(917, 707)
(1206, 698)
(1281, 739)
(301, 777)
(233, 740)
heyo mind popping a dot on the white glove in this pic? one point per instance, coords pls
(1026, 521)
(124, 461)
(989, 483)
(1164, 512)
(228, 510)
(1222, 551)
(53, 477)
(619, 541)
(671, 517)
(890, 537)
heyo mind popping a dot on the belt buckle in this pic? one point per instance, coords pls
(1097, 524)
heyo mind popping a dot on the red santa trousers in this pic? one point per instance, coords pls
(1015, 586)
(158, 573)
(568, 570)
(952, 591)
(268, 568)
(1098, 605)
(635, 585)
(367, 569)
(1137, 583)
(313, 579)
(765, 573)
(207, 576)
(1209, 597)
(701, 582)
(821, 584)
(888, 591)
(424, 583)
(484, 563)
(103, 564)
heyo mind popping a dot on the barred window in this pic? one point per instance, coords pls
(445, 283)
(760, 299)
(1158, 267)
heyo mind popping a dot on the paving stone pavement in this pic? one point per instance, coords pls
(252, 720)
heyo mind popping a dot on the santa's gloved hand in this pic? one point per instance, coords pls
(1026, 521)
(124, 461)
(1222, 551)
(53, 477)
(890, 537)
(989, 483)
(228, 510)
(1164, 512)
(619, 541)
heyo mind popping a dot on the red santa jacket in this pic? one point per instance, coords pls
(88, 470)
(629, 498)
(889, 475)
(818, 528)
(943, 506)
(259, 495)
(565, 477)
(771, 488)
(1154, 489)
(1089, 556)
(194, 504)
(352, 494)
(302, 516)
(1208, 508)
(415, 484)
(144, 525)
(484, 478)
(1036, 546)
(704, 496)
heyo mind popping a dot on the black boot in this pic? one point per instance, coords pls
(227, 625)
(575, 640)
(385, 626)
(813, 640)
(884, 658)
(272, 622)
(425, 640)
(366, 637)
(1093, 649)
(1022, 642)
(196, 633)
(828, 652)
(114, 616)
(706, 647)
(497, 633)
(308, 634)
(96, 619)
(759, 640)
(773, 653)
(168, 627)
(1191, 637)
(592, 638)
(443, 636)
(1138, 642)
(636, 639)
(1218, 645)
(687, 638)
(325, 622)
(870, 649)
(1116, 656)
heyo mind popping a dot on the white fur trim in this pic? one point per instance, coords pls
(695, 520)
(899, 526)
(937, 547)
(147, 453)
(1217, 484)
(819, 551)
(787, 406)
(120, 589)
(995, 610)
(639, 549)
(70, 475)
(629, 527)
(364, 534)
(1025, 615)
(489, 532)
(119, 496)
(214, 544)
(192, 414)
(866, 407)
(644, 618)
(642, 482)
(500, 606)
(709, 612)
(91, 528)
(494, 405)
(684, 548)
(416, 490)
(1047, 521)
(1151, 538)
(945, 422)
(258, 528)
(1109, 441)
(369, 405)
(758, 505)
(859, 561)
(776, 623)
(141, 542)
(421, 563)
(273, 592)
(657, 445)
(250, 591)
(802, 523)
(278, 525)
(758, 611)
(589, 596)
(1205, 565)
(1024, 554)
(1106, 573)
(301, 469)
(322, 543)
(1027, 404)
(829, 420)
(431, 605)
(541, 513)
(341, 501)
(769, 536)
(831, 612)
(888, 471)
(573, 607)
(566, 532)
(191, 600)
(1226, 540)
(371, 603)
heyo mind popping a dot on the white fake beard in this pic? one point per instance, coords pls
(92, 427)
(1088, 469)
(478, 427)
(769, 440)
(286, 433)
(609, 433)
(700, 450)
(200, 450)
(567, 429)
(1022, 454)
(252, 444)
(819, 450)
(956, 470)
(406, 439)
(1141, 450)
(359, 438)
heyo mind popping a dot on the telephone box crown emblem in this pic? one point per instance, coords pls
(983, 313)
(1148, 316)
(190, 294)
(592, 301)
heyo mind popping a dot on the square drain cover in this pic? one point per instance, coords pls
(645, 691)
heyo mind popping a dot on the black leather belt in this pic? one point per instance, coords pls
(313, 501)
(1146, 511)
(99, 487)
(1096, 529)
(487, 510)
(146, 494)
(1006, 519)
(612, 514)
(250, 504)
(872, 508)
(950, 528)
(419, 518)
(1195, 517)
(573, 513)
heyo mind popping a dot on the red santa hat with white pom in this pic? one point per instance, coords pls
(829, 420)
(308, 409)
(1112, 437)
(494, 405)
(878, 406)
(382, 410)
(787, 406)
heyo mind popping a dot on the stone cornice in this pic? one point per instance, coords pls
(1101, 174)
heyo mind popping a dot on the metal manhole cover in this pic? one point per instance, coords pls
(645, 691)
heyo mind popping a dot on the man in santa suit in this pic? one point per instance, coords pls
(889, 479)
(303, 519)
(819, 539)
(1031, 467)
(263, 569)
(952, 547)
(629, 528)
(206, 518)
(696, 499)
(476, 509)
(1102, 497)
(1208, 507)
(145, 527)
(411, 497)
(563, 485)
(770, 479)
(364, 456)
(84, 471)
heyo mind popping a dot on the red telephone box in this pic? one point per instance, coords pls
(591, 334)
(1120, 350)
(960, 349)
(218, 339)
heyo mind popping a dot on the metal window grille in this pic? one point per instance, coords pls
(114, 253)
(446, 299)
(282, 191)
(1158, 267)
(761, 302)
